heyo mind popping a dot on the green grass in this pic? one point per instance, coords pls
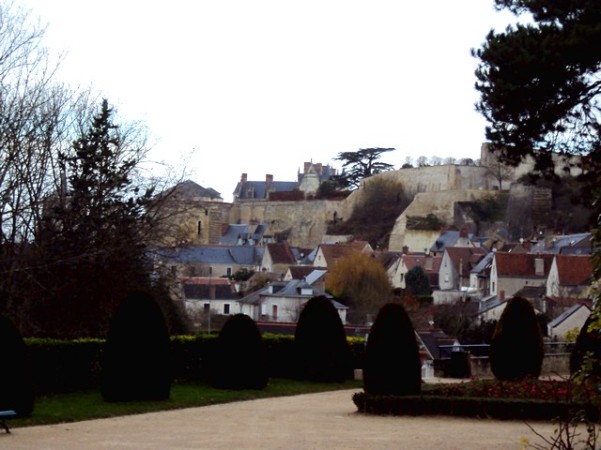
(77, 406)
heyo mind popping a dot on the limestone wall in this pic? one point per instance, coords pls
(306, 221)
(426, 179)
(441, 204)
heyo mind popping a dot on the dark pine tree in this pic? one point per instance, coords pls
(516, 348)
(16, 387)
(136, 362)
(239, 359)
(321, 349)
(92, 235)
(392, 363)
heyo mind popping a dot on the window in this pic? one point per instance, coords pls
(199, 229)
(229, 272)
(493, 288)
(226, 308)
(274, 310)
(206, 308)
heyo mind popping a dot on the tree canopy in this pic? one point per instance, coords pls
(361, 283)
(361, 164)
(539, 81)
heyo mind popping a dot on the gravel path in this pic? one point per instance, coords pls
(312, 421)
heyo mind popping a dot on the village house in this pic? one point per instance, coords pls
(510, 272)
(328, 254)
(572, 320)
(277, 258)
(397, 269)
(456, 266)
(283, 301)
(206, 297)
(208, 260)
(570, 276)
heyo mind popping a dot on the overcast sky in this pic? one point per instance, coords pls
(261, 86)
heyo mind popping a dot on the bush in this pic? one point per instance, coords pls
(392, 363)
(587, 341)
(16, 390)
(321, 349)
(136, 363)
(516, 349)
(239, 360)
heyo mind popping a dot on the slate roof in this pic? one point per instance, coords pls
(190, 189)
(260, 189)
(214, 254)
(203, 291)
(521, 265)
(235, 232)
(290, 289)
(577, 243)
(482, 268)
(574, 270)
(433, 339)
(566, 314)
(448, 238)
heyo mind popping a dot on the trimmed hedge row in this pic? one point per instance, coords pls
(72, 365)
(493, 408)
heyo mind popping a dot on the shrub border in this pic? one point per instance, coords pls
(491, 408)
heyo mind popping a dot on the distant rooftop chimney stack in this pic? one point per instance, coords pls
(269, 179)
(243, 178)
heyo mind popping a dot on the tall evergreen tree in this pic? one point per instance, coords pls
(361, 164)
(539, 81)
(92, 237)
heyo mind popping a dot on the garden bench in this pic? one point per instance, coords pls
(4, 416)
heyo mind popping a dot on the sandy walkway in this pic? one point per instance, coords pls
(314, 421)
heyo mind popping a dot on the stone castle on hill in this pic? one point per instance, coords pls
(293, 213)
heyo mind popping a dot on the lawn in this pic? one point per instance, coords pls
(86, 405)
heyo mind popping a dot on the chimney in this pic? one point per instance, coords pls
(539, 266)
(269, 179)
(243, 178)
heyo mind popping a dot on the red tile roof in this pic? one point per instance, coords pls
(332, 252)
(574, 270)
(281, 253)
(522, 265)
(465, 258)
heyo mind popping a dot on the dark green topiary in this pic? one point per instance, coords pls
(239, 359)
(322, 352)
(392, 363)
(136, 356)
(587, 341)
(16, 387)
(516, 348)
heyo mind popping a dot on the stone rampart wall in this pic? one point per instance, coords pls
(306, 221)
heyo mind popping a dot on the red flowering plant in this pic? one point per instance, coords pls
(530, 388)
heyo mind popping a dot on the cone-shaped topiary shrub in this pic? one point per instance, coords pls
(321, 349)
(587, 341)
(392, 363)
(16, 387)
(516, 348)
(136, 362)
(239, 359)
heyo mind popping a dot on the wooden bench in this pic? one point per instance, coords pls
(4, 416)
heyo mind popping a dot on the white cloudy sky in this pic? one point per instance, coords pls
(262, 86)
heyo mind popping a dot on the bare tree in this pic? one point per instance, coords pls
(435, 160)
(500, 171)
